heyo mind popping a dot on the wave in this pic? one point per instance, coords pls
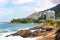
(5, 30)
(23, 29)
(16, 38)
(2, 37)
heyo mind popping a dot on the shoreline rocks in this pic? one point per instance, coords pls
(42, 33)
(39, 33)
(32, 32)
(55, 35)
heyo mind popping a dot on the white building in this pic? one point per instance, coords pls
(50, 15)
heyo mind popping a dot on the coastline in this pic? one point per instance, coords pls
(25, 33)
(38, 33)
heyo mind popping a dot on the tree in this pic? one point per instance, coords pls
(42, 17)
(57, 13)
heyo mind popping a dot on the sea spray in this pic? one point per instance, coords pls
(2, 37)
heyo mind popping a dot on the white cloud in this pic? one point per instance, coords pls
(21, 1)
(56, 1)
(43, 5)
(39, 4)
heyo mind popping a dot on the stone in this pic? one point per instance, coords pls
(24, 33)
(49, 29)
(36, 33)
(57, 35)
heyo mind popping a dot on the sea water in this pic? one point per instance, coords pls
(6, 29)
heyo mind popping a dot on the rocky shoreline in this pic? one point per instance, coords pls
(42, 33)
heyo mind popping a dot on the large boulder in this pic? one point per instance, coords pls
(49, 29)
(36, 33)
(57, 35)
(24, 33)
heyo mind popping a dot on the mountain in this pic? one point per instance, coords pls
(36, 15)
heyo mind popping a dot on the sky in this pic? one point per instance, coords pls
(10, 9)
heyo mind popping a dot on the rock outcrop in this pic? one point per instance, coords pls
(32, 32)
(57, 35)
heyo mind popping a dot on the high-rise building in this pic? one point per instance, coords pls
(50, 15)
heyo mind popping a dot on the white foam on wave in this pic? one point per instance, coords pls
(16, 38)
(24, 29)
(2, 37)
(32, 30)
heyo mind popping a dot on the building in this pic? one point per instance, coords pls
(50, 15)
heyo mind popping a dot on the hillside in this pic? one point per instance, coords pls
(36, 15)
(56, 8)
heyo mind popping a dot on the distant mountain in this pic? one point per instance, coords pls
(36, 15)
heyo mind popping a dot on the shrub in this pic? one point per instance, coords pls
(51, 22)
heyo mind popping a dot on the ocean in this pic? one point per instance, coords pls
(6, 29)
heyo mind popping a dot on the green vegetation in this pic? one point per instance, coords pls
(57, 13)
(51, 17)
(58, 24)
(42, 17)
(28, 20)
(51, 22)
(25, 20)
